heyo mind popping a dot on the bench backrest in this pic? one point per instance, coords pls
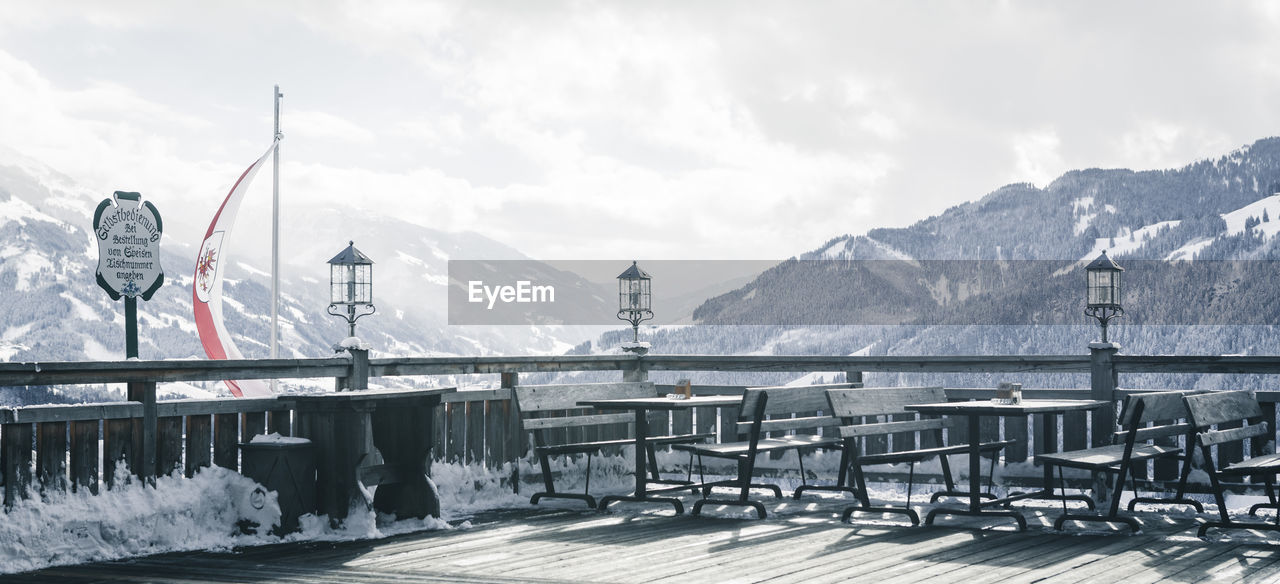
(1208, 409)
(785, 401)
(1165, 410)
(847, 404)
(533, 401)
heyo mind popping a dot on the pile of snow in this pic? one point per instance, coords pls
(203, 512)
(276, 438)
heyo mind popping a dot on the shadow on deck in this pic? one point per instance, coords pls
(800, 542)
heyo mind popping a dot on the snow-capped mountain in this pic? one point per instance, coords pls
(54, 311)
(1221, 209)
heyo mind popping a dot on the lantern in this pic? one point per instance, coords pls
(351, 285)
(1102, 296)
(634, 298)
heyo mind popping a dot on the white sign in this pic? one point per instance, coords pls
(128, 234)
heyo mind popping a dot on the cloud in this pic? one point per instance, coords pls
(326, 126)
(1037, 157)
(570, 129)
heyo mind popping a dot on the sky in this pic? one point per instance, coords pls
(616, 130)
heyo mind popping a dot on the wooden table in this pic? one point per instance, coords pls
(974, 411)
(641, 407)
(383, 437)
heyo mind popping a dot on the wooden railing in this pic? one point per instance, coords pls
(479, 426)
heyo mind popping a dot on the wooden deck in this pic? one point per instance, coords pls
(799, 542)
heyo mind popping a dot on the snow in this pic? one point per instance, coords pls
(353, 343)
(836, 250)
(437, 279)
(207, 512)
(185, 389)
(15, 209)
(59, 528)
(892, 252)
(95, 351)
(13, 333)
(825, 377)
(1082, 223)
(1188, 252)
(252, 270)
(276, 438)
(25, 263)
(9, 345)
(81, 310)
(1271, 205)
(1123, 244)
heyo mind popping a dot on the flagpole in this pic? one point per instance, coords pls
(275, 235)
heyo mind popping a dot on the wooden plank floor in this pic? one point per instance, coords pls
(800, 542)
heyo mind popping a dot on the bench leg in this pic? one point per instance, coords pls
(865, 507)
(1113, 513)
(1271, 496)
(838, 487)
(760, 512)
(1227, 523)
(746, 467)
(1179, 498)
(1207, 525)
(550, 493)
(909, 512)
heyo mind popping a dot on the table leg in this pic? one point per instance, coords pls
(402, 435)
(975, 485)
(641, 494)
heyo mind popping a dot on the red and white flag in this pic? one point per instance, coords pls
(206, 289)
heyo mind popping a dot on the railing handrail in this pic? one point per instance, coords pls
(1197, 363)
(89, 372)
(888, 363)
(84, 372)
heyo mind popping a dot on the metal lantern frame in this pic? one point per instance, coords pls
(351, 286)
(1103, 291)
(635, 298)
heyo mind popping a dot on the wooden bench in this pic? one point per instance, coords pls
(1238, 418)
(773, 419)
(883, 409)
(547, 411)
(1145, 419)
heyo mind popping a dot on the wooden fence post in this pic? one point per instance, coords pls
(1103, 381)
(359, 369)
(145, 392)
(16, 460)
(637, 372)
(515, 446)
